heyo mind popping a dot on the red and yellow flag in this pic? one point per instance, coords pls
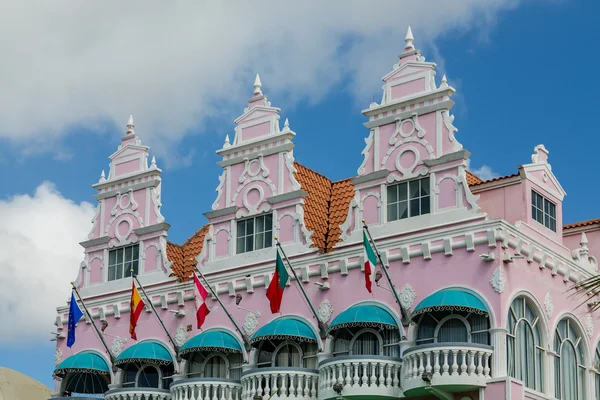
(136, 305)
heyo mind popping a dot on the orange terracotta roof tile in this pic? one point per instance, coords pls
(472, 179)
(582, 223)
(183, 258)
(342, 193)
(490, 180)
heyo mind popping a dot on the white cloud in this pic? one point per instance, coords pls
(65, 65)
(39, 255)
(484, 172)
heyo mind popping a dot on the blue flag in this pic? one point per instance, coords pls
(74, 316)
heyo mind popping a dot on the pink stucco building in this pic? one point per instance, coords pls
(481, 269)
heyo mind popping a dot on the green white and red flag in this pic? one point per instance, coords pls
(277, 285)
(370, 262)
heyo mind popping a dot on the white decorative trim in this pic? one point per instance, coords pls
(181, 335)
(251, 170)
(325, 311)
(407, 297)
(95, 221)
(254, 179)
(117, 345)
(471, 198)
(289, 163)
(365, 153)
(413, 121)
(448, 120)
(155, 196)
(498, 280)
(548, 305)
(299, 216)
(58, 356)
(589, 326)
(351, 209)
(253, 209)
(251, 323)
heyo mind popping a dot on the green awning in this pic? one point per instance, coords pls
(85, 361)
(285, 328)
(219, 340)
(451, 300)
(149, 351)
(364, 315)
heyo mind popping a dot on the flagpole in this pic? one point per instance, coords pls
(154, 309)
(322, 325)
(95, 327)
(244, 337)
(385, 271)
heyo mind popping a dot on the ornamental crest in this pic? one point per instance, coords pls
(407, 297)
(589, 326)
(251, 322)
(325, 311)
(498, 280)
(180, 335)
(548, 305)
(117, 345)
(57, 357)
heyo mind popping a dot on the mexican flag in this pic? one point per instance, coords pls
(370, 262)
(277, 285)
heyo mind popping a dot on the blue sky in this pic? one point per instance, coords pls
(524, 76)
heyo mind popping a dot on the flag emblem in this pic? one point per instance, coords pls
(74, 316)
(370, 262)
(277, 285)
(202, 309)
(136, 306)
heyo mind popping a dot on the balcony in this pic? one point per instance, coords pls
(445, 367)
(137, 394)
(371, 376)
(206, 388)
(281, 383)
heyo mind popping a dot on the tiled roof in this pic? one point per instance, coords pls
(582, 223)
(472, 179)
(475, 183)
(183, 258)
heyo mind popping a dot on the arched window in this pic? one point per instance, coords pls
(215, 365)
(569, 368)
(525, 349)
(287, 354)
(147, 375)
(456, 327)
(366, 341)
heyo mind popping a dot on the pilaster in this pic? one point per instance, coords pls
(498, 342)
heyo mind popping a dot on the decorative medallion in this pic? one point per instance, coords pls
(548, 305)
(58, 357)
(407, 297)
(117, 345)
(180, 335)
(325, 311)
(589, 326)
(498, 280)
(250, 323)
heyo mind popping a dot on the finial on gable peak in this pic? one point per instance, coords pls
(584, 240)
(227, 143)
(130, 123)
(153, 163)
(409, 40)
(102, 177)
(540, 155)
(444, 81)
(257, 85)
(286, 125)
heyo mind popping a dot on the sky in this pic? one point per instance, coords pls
(71, 74)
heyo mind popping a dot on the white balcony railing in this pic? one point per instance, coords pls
(360, 376)
(137, 394)
(465, 365)
(206, 388)
(281, 383)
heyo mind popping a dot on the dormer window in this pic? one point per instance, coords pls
(122, 260)
(543, 210)
(255, 233)
(408, 199)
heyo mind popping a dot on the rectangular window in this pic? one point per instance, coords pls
(122, 261)
(408, 199)
(543, 211)
(254, 233)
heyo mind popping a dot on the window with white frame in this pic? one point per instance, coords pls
(454, 326)
(569, 362)
(408, 199)
(287, 353)
(524, 344)
(596, 369)
(366, 341)
(543, 210)
(255, 233)
(122, 260)
(215, 365)
(141, 375)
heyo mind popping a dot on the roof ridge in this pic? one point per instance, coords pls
(313, 171)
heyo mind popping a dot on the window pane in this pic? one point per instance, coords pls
(403, 209)
(127, 268)
(249, 227)
(402, 191)
(413, 187)
(128, 253)
(415, 208)
(268, 238)
(260, 224)
(135, 266)
(148, 378)
(112, 273)
(241, 228)
(249, 243)
(392, 212)
(112, 258)
(136, 252)
(240, 245)
(425, 205)
(425, 186)
(260, 240)
(269, 222)
(119, 256)
(119, 271)
(392, 194)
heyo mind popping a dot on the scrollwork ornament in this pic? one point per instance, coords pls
(57, 357)
(498, 280)
(117, 345)
(251, 323)
(589, 326)
(180, 335)
(325, 311)
(548, 305)
(407, 297)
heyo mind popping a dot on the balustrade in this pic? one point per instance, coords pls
(281, 383)
(206, 389)
(360, 375)
(138, 394)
